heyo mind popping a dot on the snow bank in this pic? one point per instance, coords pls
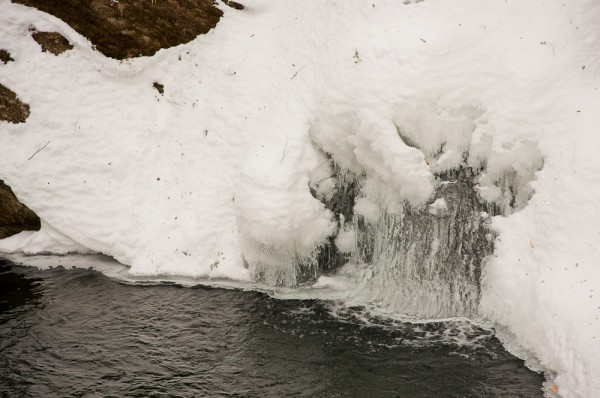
(211, 178)
(46, 240)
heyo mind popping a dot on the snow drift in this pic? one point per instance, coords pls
(228, 172)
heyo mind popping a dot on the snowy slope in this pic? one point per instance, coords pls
(217, 169)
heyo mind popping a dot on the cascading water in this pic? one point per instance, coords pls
(427, 261)
(414, 205)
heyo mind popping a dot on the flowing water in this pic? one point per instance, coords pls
(79, 333)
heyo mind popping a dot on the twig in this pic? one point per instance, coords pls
(551, 46)
(121, 8)
(36, 152)
(297, 72)
(284, 149)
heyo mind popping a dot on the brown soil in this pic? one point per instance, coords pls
(52, 42)
(15, 216)
(5, 56)
(11, 108)
(130, 28)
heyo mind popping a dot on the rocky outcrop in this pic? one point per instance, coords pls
(14, 215)
(52, 42)
(11, 108)
(130, 28)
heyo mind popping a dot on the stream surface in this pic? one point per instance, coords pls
(77, 333)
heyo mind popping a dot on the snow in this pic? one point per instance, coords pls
(345, 240)
(212, 178)
(46, 240)
(366, 208)
(438, 207)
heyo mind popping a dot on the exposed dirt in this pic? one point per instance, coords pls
(15, 216)
(11, 108)
(52, 42)
(130, 28)
(5, 56)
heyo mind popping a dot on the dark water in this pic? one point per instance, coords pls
(77, 333)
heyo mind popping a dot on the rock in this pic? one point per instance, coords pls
(11, 108)
(5, 56)
(52, 42)
(234, 4)
(159, 87)
(130, 28)
(15, 216)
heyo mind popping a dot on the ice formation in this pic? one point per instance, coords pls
(447, 151)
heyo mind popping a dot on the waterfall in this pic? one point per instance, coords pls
(413, 198)
(428, 261)
(424, 261)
